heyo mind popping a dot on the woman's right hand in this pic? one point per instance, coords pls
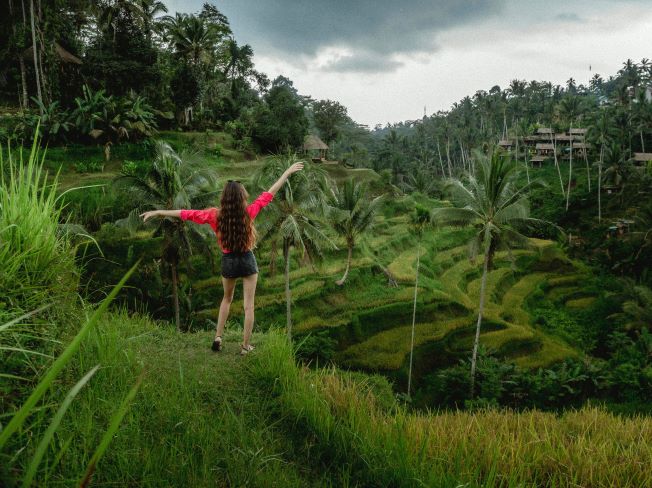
(148, 215)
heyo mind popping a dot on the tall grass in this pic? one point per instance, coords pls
(197, 421)
(588, 447)
(37, 262)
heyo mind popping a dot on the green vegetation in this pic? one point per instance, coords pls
(494, 206)
(386, 306)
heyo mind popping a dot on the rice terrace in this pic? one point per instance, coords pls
(292, 244)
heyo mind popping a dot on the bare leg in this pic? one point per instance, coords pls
(249, 287)
(229, 288)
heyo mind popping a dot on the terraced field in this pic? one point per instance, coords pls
(371, 321)
(370, 316)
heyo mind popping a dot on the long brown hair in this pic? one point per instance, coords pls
(236, 230)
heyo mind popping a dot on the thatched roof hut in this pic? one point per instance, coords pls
(543, 147)
(642, 157)
(63, 54)
(544, 131)
(313, 145)
(581, 145)
(313, 142)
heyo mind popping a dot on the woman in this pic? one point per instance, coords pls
(236, 235)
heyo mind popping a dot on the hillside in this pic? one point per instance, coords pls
(206, 419)
(367, 319)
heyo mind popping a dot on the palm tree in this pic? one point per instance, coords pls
(601, 133)
(351, 214)
(294, 221)
(637, 310)
(520, 129)
(422, 179)
(568, 110)
(192, 39)
(641, 115)
(494, 204)
(108, 13)
(149, 9)
(616, 165)
(239, 63)
(173, 182)
(419, 220)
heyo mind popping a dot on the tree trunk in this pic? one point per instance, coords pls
(414, 317)
(288, 296)
(448, 157)
(23, 82)
(570, 173)
(642, 142)
(34, 51)
(462, 152)
(588, 169)
(441, 160)
(600, 183)
(554, 153)
(45, 87)
(527, 170)
(341, 281)
(175, 296)
(21, 61)
(476, 342)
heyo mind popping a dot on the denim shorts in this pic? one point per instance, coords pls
(238, 264)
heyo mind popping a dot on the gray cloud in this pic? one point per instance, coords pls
(374, 32)
(363, 62)
(570, 17)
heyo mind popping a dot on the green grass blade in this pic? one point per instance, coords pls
(75, 189)
(110, 432)
(13, 322)
(19, 418)
(24, 351)
(13, 377)
(54, 425)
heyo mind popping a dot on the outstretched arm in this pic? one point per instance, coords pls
(160, 213)
(279, 183)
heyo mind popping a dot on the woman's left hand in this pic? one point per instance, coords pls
(148, 215)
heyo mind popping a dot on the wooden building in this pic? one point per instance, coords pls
(537, 160)
(506, 144)
(545, 149)
(641, 159)
(314, 147)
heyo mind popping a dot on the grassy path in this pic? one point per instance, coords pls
(198, 420)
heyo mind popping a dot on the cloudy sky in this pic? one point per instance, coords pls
(386, 60)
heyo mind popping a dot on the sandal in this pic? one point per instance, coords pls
(217, 344)
(244, 350)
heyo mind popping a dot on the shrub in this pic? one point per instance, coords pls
(89, 167)
(133, 168)
(318, 347)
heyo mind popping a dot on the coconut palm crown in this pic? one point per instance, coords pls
(351, 214)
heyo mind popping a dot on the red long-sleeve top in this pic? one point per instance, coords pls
(209, 216)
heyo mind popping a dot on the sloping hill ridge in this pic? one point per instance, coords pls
(203, 419)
